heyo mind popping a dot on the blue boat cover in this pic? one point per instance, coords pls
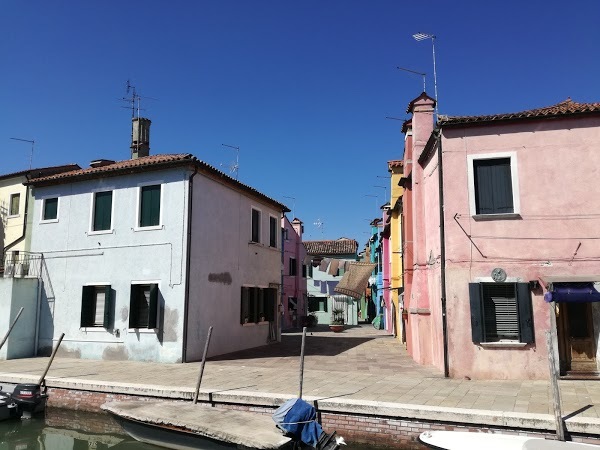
(572, 292)
(299, 419)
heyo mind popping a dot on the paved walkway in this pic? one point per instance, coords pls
(360, 364)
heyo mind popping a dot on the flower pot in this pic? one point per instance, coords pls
(336, 328)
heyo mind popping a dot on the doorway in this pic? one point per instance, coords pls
(576, 339)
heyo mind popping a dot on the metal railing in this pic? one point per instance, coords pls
(21, 265)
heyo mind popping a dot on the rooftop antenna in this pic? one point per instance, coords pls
(421, 37)
(293, 205)
(234, 168)
(416, 73)
(384, 192)
(320, 225)
(32, 142)
(134, 99)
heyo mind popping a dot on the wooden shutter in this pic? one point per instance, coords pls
(244, 305)
(476, 313)
(153, 306)
(87, 305)
(108, 306)
(150, 206)
(493, 186)
(133, 306)
(273, 231)
(526, 331)
(255, 225)
(102, 210)
(271, 303)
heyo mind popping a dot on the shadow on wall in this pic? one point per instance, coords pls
(46, 330)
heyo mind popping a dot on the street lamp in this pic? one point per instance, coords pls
(422, 37)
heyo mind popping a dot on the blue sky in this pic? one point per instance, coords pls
(303, 88)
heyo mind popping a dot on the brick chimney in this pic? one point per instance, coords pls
(298, 227)
(422, 109)
(140, 137)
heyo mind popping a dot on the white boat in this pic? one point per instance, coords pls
(467, 440)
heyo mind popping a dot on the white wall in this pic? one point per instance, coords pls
(75, 257)
(14, 294)
(221, 250)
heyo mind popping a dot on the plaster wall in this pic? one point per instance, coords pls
(74, 256)
(222, 260)
(293, 285)
(554, 233)
(11, 226)
(396, 250)
(14, 294)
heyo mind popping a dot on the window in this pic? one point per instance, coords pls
(50, 209)
(255, 225)
(317, 304)
(257, 305)
(493, 183)
(304, 270)
(15, 200)
(149, 206)
(102, 211)
(273, 231)
(143, 306)
(501, 312)
(292, 267)
(96, 306)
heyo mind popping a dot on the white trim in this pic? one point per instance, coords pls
(503, 344)
(514, 175)
(138, 206)
(50, 197)
(260, 227)
(100, 283)
(93, 193)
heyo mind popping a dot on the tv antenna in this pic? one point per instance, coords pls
(32, 142)
(134, 100)
(235, 167)
(416, 73)
(320, 225)
(293, 204)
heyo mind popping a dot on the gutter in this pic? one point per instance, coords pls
(438, 136)
(187, 266)
(25, 215)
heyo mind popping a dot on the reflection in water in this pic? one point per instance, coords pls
(63, 429)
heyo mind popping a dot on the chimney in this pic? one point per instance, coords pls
(422, 109)
(298, 227)
(140, 137)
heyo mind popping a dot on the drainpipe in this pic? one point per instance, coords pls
(38, 308)
(187, 265)
(20, 238)
(442, 254)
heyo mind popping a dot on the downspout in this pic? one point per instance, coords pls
(187, 265)
(443, 255)
(25, 215)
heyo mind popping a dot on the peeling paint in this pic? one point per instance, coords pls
(68, 353)
(115, 354)
(124, 314)
(223, 277)
(170, 325)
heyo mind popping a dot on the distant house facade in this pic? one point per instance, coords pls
(141, 257)
(329, 260)
(489, 250)
(395, 252)
(294, 298)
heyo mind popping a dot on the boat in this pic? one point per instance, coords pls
(468, 440)
(183, 425)
(30, 399)
(8, 408)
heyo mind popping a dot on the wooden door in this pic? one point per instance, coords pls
(581, 347)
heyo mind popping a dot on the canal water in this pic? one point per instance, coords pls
(62, 429)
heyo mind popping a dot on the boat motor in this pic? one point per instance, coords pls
(30, 399)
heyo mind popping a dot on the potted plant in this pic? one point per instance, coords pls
(337, 320)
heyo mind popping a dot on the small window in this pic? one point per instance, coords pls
(273, 231)
(304, 270)
(317, 304)
(255, 225)
(149, 206)
(493, 185)
(292, 267)
(50, 209)
(96, 306)
(102, 212)
(15, 201)
(501, 312)
(257, 305)
(143, 306)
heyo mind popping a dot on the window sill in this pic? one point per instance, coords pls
(143, 330)
(503, 344)
(93, 329)
(49, 221)
(13, 216)
(94, 233)
(484, 217)
(154, 227)
(252, 324)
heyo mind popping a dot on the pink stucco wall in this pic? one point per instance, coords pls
(558, 162)
(293, 286)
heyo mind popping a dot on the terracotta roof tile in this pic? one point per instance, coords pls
(342, 246)
(147, 163)
(395, 163)
(564, 108)
(41, 171)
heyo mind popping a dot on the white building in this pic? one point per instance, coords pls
(141, 257)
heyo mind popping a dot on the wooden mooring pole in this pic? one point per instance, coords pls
(202, 365)
(41, 380)
(302, 361)
(560, 424)
(11, 327)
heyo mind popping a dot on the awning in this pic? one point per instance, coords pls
(354, 281)
(573, 292)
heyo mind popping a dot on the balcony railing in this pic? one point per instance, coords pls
(22, 264)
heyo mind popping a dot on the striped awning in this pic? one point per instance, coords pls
(354, 281)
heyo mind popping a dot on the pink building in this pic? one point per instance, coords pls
(519, 220)
(294, 297)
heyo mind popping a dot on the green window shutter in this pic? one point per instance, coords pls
(102, 210)
(526, 331)
(255, 225)
(50, 208)
(150, 206)
(87, 305)
(133, 306)
(253, 304)
(476, 313)
(244, 309)
(108, 306)
(153, 307)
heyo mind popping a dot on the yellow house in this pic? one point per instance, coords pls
(16, 206)
(395, 168)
